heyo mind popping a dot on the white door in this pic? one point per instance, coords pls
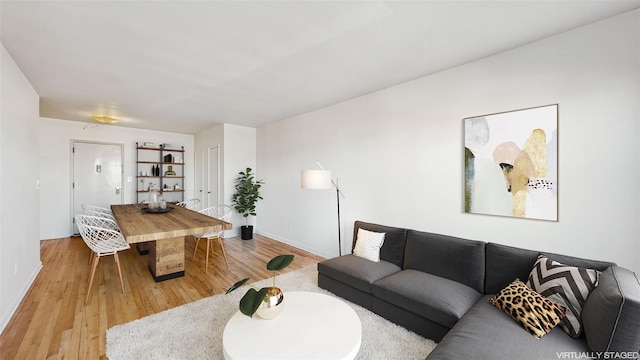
(97, 176)
(212, 176)
(199, 178)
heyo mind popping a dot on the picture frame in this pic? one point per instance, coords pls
(511, 163)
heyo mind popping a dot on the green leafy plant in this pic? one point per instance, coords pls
(247, 194)
(251, 301)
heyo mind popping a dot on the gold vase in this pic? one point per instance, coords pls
(272, 304)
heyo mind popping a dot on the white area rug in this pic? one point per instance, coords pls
(194, 331)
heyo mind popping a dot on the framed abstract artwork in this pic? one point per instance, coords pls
(511, 163)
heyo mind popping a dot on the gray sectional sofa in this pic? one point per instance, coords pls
(438, 286)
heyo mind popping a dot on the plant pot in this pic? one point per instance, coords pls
(272, 304)
(246, 232)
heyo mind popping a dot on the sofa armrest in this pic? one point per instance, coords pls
(611, 314)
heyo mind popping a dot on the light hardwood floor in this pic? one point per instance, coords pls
(53, 321)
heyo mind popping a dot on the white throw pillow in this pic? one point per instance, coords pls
(368, 245)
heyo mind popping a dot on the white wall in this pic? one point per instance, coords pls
(237, 146)
(204, 140)
(211, 138)
(239, 154)
(19, 217)
(55, 165)
(398, 153)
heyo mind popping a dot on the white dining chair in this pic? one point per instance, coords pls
(222, 212)
(191, 204)
(98, 211)
(102, 241)
(100, 219)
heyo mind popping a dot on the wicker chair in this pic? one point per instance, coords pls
(222, 212)
(98, 211)
(103, 241)
(97, 215)
(191, 204)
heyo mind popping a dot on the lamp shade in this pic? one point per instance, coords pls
(315, 179)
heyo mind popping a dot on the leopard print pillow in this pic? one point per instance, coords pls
(537, 314)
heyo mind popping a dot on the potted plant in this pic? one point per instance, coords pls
(245, 198)
(268, 301)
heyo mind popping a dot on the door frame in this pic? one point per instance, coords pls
(72, 168)
(201, 183)
(208, 173)
(198, 175)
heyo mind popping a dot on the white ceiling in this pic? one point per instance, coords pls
(185, 66)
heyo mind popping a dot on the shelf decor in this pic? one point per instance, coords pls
(511, 163)
(158, 165)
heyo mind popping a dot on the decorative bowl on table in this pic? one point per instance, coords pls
(157, 210)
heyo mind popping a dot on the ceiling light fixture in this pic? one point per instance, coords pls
(105, 119)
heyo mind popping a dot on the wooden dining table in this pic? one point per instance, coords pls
(164, 234)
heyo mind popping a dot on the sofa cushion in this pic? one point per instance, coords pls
(394, 241)
(535, 313)
(357, 272)
(567, 285)
(436, 298)
(611, 314)
(368, 245)
(449, 257)
(484, 332)
(504, 263)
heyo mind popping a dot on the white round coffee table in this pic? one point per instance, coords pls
(311, 326)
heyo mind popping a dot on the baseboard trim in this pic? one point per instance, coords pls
(297, 244)
(21, 295)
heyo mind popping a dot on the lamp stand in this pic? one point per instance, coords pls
(339, 237)
(321, 179)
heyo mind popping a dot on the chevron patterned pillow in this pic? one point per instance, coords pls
(567, 285)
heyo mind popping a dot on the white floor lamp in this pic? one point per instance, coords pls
(321, 179)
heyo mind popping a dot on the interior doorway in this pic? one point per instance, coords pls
(199, 176)
(213, 180)
(207, 175)
(97, 176)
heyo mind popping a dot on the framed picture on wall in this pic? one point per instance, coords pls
(511, 163)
